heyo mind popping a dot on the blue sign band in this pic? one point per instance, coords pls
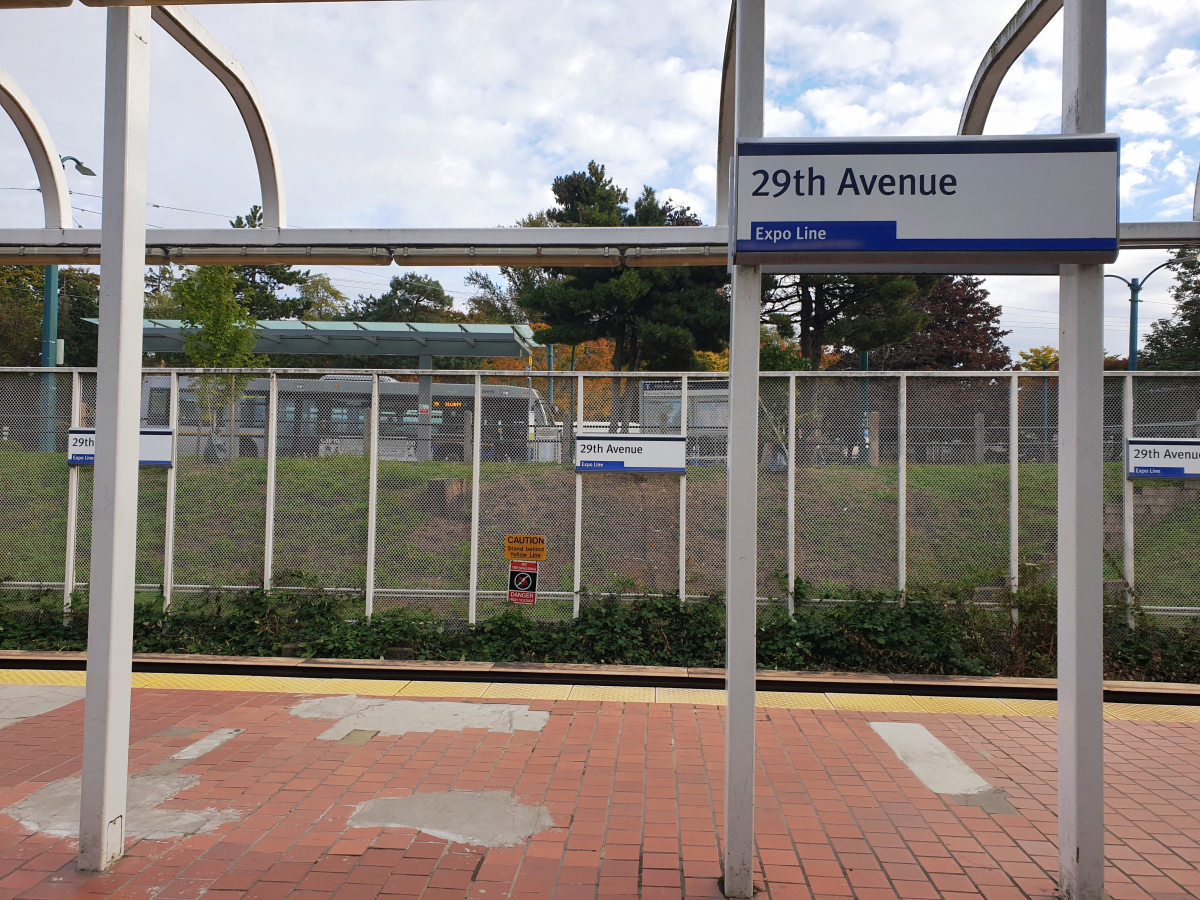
(948, 146)
(780, 237)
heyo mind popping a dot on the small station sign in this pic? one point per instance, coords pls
(1162, 458)
(155, 447)
(631, 453)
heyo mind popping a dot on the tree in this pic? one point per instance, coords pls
(778, 354)
(1174, 343)
(495, 303)
(409, 298)
(21, 305)
(963, 331)
(259, 289)
(863, 312)
(657, 318)
(1039, 359)
(321, 301)
(219, 331)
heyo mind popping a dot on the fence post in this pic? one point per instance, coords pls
(902, 486)
(791, 494)
(168, 585)
(476, 437)
(272, 447)
(72, 503)
(1127, 514)
(683, 426)
(578, 502)
(1014, 486)
(371, 435)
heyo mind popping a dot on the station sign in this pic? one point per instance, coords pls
(156, 447)
(525, 546)
(630, 453)
(1162, 458)
(522, 581)
(961, 201)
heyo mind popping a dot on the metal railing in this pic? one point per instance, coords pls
(401, 484)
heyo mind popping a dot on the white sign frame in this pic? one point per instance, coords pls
(655, 453)
(1162, 449)
(1030, 200)
(156, 447)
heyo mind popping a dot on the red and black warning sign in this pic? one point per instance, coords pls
(522, 581)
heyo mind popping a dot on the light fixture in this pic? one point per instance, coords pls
(79, 167)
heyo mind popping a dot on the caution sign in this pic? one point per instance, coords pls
(522, 581)
(525, 546)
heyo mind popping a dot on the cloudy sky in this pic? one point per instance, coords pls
(461, 112)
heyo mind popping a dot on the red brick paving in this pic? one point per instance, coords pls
(635, 791)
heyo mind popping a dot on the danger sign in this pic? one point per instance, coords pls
(522, 581)
(525, 546)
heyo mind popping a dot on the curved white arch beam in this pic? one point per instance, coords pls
(56, 197)
(725, 129)
(212, 54)
(1018, 34)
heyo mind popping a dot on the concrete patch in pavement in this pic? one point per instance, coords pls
(397, 717)
(485, 819)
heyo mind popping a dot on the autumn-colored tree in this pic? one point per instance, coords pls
(1039, 359)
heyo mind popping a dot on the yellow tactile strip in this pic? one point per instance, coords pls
(895, 703)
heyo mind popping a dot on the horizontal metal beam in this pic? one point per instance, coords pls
(567, 247)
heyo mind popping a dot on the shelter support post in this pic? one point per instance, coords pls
(741, 530)
(1014, 489)
(902, 485)
(476, 437)
(1081, 497)
(371, 436)
(72, 505)
(272, 452)
(683, 427)
(1127, 520)
(168, 582)
(425, 412)
(102, 810)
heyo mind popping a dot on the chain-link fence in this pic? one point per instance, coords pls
(401, 487)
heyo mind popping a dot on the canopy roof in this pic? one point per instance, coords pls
(362, 338)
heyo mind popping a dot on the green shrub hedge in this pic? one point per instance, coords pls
(938, 629)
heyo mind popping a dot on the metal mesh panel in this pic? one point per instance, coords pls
(1038, 495)
(527, 486)
(772, 487)
(1167, 513)
(707, 484)
(34, 416)
(423, 542)
(220, 481)
(958, 479)
(152, 491)
(321, 480)
(1114, 489)
(846, 500)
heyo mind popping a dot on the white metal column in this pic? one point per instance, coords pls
(1080, 498)
(683, 427)
(72, 504)
(476, 438)
(1014, 488)
(741, 530)
(272, 455)
(168, 585)
(578, 502)
(118, 393)
(371, 435)
(791, 495)
(902, 485)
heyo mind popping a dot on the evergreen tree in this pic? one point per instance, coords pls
(409, 298)
(259, 288)
(1174, 343)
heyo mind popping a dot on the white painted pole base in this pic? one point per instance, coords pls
(741, 582)
(118, 395)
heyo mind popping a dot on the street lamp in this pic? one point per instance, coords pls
(1135, 292)
(50, 342)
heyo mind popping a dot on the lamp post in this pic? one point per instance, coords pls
(50, 343)
(1135, 295)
